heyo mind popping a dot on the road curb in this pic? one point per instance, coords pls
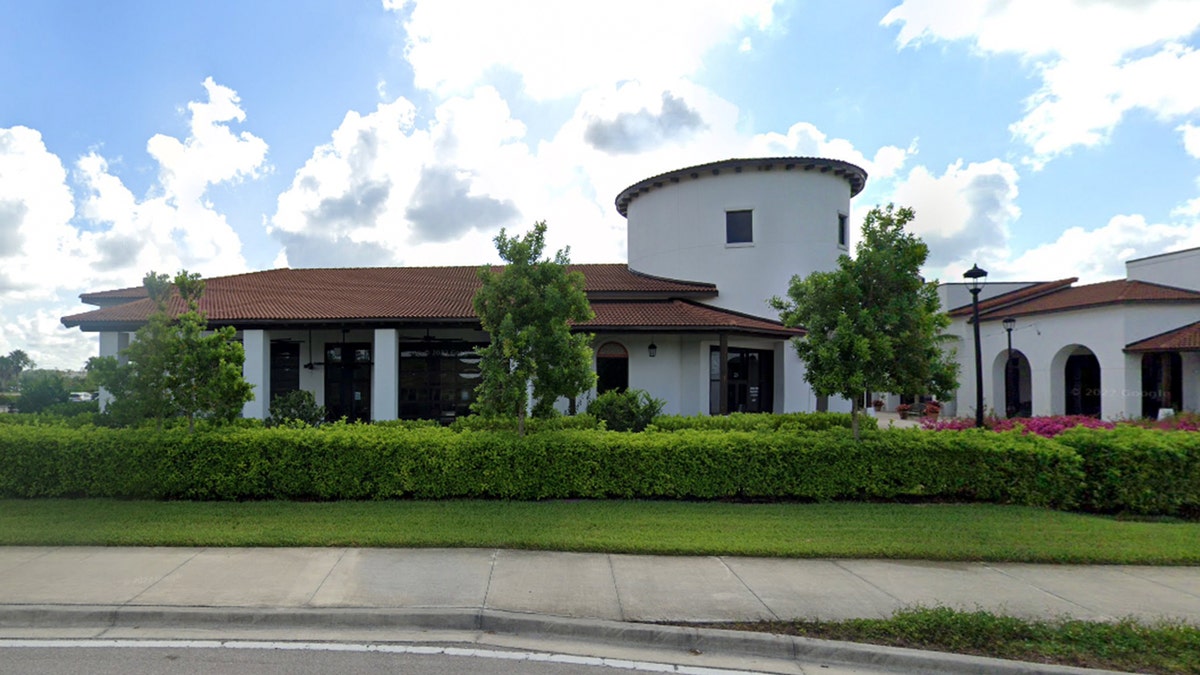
(592, 631)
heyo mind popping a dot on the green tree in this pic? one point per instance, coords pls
(11, 366)
(873, 324)
(175, 366)
(526, 309)
(41, 390)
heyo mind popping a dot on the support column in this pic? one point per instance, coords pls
(724, 395)
(385, 376)
(112, 343)
(257, 371)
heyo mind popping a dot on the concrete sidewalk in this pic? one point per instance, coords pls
(573, 603)
(582, 585)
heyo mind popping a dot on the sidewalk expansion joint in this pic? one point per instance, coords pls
(1043, 590)
(745, 585)
(328, 574)
(612, 571)
(175, 569)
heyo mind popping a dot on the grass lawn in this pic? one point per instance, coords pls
(1124, 646)
(959, 532)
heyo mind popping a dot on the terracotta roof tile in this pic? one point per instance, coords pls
(674, 315)
(391, 293)
(1120, 291)
(1185, 339)
(1012, 297)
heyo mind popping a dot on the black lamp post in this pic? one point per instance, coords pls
(975, 279)
(1010, 384)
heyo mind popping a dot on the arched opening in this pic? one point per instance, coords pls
(1013, 379)
(612, 367)
(1081, 377)
(1162, 382)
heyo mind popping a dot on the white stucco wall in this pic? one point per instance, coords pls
(1180, 268)
(1048, 339)
(678, 231)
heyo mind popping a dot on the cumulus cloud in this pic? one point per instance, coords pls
(386, 190)
(175, 226)
(806, 140)
(1097, 60)
(1191, 139)
(630, 132)
(443, 208)
(963, 214)
(564, 48)
(1098, 254)
(53, 251)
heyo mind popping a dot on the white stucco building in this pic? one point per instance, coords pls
(686, 319)
(1118, 349)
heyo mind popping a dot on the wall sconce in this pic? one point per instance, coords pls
(653, 348)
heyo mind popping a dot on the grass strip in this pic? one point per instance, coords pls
(952, 532)
(1126, 645)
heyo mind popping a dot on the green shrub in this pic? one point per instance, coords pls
(361, 461)
(1140, 471)
(532, 424)
(40, 391)
(629, 410)
(762, 422)
(297, 407)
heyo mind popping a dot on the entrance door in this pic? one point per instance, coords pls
(348, 380)
(750, 382)
(1083, 385)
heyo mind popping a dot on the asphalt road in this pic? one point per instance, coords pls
(168, 657)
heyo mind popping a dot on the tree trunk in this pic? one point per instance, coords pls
(854, 406)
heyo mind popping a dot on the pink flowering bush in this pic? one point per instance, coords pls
(1048, 427)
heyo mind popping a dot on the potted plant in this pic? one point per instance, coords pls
(877, 404)
(932, 409)
(903, 410)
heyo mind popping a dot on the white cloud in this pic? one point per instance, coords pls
(1099, 254)
(175, 226)
(563, 48)
(1191, 139)
(964, 214)
(385, 191)
(1097, 59)
(806, 140)
(49, 251)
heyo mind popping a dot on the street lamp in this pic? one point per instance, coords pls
(1010, 407)
(975, 279)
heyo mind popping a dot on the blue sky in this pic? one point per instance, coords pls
(1039, 138)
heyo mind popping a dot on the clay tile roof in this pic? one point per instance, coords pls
(1185, 339)
(680, 315)
(1012, 297)
(854, 175)
(386, 293)
(1120, 291)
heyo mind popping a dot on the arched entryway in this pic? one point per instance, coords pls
(1162, 382)
(1081, 379)
(612, 367)
(1013, 379)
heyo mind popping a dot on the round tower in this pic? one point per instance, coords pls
(747, 225)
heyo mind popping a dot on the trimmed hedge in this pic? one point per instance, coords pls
(1136, 470)
(371, 462)
(762, 422)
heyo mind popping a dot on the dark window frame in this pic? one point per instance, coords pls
(739, 227)
(843, 230)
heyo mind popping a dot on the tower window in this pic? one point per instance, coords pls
(843, 230)
(739, 227)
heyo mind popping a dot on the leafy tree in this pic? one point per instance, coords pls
(175, 365)
(11, 366)
(874, 324)
(526, 309)
(40, 391)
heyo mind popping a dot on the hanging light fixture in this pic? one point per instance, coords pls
(653, 348)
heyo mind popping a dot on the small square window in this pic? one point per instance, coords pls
(739, 227)
(843, 230)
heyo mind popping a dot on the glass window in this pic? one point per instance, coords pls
(843, 230)
(739, 227)
(612, 367)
